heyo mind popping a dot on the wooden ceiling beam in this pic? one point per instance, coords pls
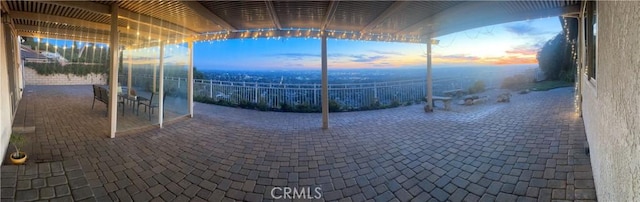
(274, 15)
(328, 17)
(59, 19)
(75, 35)
(125, 15)
(395, 7)
(28, 33)
(50, 31)
(4, 6)
(207, 14)
(63, 37)
(82, 23)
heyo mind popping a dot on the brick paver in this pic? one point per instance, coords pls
(45, 184)
(529, 149)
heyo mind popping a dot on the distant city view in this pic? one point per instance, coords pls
(284, 74)
(444, 77)
(349, 89)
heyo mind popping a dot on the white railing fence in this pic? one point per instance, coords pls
(349, 96)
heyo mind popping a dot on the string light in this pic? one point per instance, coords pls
(574, 56)
(277, 34)
(306, 33)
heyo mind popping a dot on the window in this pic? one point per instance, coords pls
(591, 22)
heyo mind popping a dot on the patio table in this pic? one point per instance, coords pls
(132, 100)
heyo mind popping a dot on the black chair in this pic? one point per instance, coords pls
(145, 102)
(150, 105)
(104, 95)
(96, 95)
(132, 92)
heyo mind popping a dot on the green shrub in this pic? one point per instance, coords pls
(262, 106)
(73, 69)
(203, 99)
(306, 108)
(394, 103)
(375, 105)
(516, 82)
(334, 106)
(285, 107)
(477, 87)
(246, 104)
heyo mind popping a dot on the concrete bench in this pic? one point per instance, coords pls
(454, 92)
(446, 100)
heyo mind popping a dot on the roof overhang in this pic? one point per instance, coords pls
(146, 23)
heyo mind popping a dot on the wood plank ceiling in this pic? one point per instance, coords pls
(148, 22)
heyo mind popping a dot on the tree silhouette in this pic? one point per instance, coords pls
(555, 59)
(198, 74)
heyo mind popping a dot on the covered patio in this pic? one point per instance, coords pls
(149, 35)
(531, 149)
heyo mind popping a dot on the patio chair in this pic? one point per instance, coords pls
(150, 105)
(96, 95)
(130, 95)
(104, 94)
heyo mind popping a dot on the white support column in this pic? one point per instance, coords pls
(325, 84)
(429, 107)
(581, 60)
(155, 72)
(129, 73)
(161, 89)
(190, 79)
(113, 73)
(16, 68)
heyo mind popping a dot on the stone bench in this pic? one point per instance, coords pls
(446, 100)
(454, 92)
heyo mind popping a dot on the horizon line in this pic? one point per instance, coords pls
(372, 68)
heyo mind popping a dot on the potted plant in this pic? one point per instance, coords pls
(18, 157)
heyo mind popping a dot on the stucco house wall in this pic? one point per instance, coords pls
(5, 103)
(611, 103)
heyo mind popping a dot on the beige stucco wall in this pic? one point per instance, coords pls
(611, 104)
(5, 104)
(32, 77)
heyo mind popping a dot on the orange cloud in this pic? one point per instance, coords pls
(455, 59)
(515, 56)
(510, 59)
(513, 60)
(525, 51)
(518, 55)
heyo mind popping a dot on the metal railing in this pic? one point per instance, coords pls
(349, 96)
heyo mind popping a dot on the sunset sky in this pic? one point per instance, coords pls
(504, 44)
(507, 44)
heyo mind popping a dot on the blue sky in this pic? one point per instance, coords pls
(513, 43)
(506, 44)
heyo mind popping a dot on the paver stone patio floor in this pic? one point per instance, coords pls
(531, 149)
